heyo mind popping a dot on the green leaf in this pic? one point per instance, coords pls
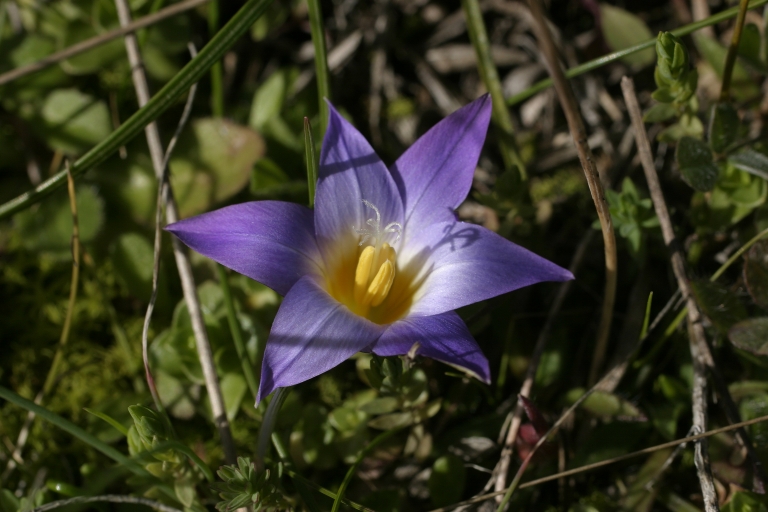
(8, 502)
(381, 405)
(212, 163)
(751, 335)
(660, 112)
(604, 404)
(268, 100)
(756, 273)
(696, 164)
(185, 491)
(749, 47)
(447, 480)
(133, 259)
(74, 121)
(49, 228)
(720, 305)
(750, 161)
(392, 421)
(621, 30)
(742, 85)
(745, 501)
(93, 60)
(233, 389)
(118, 426)
(723, 127)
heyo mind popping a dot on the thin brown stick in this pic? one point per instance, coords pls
(93, 42)
(182, 260)
(603, 463)
(579, 134)
(695, 327)
(502, 467)
(721, 386)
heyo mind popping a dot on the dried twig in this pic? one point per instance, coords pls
(93, 42)
(578, 132)
(695, 327)
(729, 405)
(182, 260)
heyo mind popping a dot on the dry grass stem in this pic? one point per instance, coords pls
(579, 134)
(182, 260)
(695, 327)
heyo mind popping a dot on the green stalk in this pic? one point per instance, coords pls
(611, 57)
(217, 82)
(309, 154)
(321, 61)
(167, 96)
(730, 58)
(237, 335)
(501, 117)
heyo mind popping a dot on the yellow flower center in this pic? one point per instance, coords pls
(374, 275)
(367, 280)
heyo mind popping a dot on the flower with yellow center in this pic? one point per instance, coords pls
(381, 263)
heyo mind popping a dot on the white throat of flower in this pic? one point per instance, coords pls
(375, 271)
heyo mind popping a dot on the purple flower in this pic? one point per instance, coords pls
(381, 263)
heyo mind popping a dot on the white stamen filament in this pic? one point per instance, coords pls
(375, 270)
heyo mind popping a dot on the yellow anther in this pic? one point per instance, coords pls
(374, 275)
(386, 253)
(363, 273)
(381, 284)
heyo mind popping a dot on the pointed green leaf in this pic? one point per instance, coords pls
(621, 30)
(659, 113)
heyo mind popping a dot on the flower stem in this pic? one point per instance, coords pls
(268, 425)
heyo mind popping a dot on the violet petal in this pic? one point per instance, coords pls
(435, 174)
(443, 337)
(311, 334)
(350, 172)
(272, 242)
(459, 263)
